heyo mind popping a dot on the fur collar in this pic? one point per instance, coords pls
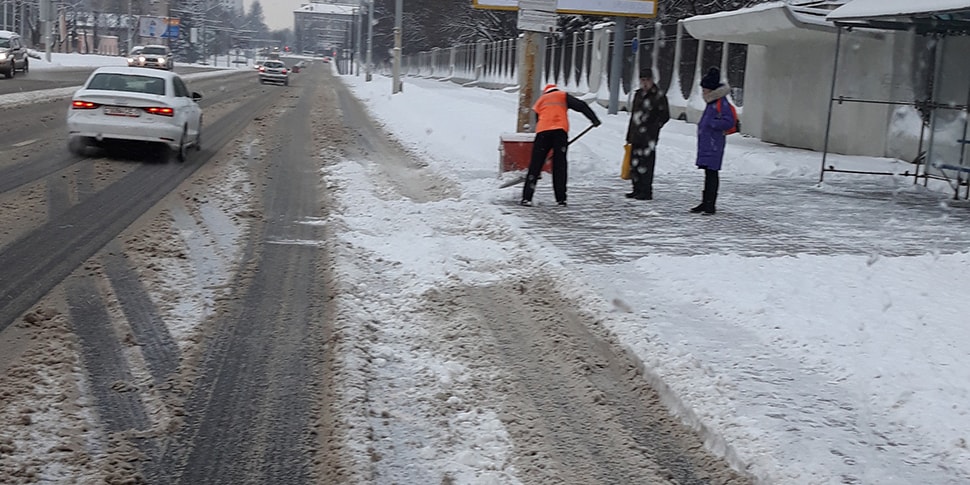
(717, 94)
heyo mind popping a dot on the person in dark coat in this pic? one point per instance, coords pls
(717, 119)
(648, 114)
(552, 133)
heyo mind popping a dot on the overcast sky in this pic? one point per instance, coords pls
(278, 13)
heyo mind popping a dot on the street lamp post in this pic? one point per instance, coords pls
(360, 27)
(398, 7)
(131, 29)
(370, 38)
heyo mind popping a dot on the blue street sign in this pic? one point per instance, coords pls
(636, 45)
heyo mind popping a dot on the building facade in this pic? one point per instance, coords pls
(325, 28)
(234, 6)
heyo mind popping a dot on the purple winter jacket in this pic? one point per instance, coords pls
(710, 130)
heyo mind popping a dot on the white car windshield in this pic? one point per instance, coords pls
(272, 64)
(155, 51)
(4, 43)
(128, 83)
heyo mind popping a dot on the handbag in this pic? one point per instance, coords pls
(625, 167)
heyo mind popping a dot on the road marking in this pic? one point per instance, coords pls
(25, 143)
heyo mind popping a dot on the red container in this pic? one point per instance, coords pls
(515, 152)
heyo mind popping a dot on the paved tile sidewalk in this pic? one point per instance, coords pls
(756, 217)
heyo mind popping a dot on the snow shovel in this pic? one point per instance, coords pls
(519, 180)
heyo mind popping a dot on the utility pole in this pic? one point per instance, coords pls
(45, 17)
(536, 17)
(370, 37)
(398, 7)
(360, 27)
(205, 5)
(130, 28)
(527, 79)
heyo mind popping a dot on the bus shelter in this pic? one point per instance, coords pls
(939, 85)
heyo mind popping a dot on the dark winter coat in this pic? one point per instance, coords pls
(648, 114)
(711, 127)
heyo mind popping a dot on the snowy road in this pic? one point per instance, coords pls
(229, 327)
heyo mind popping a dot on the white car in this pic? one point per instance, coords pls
(274, 72)
(155, 56)
(134, 104)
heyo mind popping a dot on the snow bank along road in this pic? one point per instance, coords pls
(204, 323)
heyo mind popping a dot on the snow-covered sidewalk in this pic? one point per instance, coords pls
(814, 334)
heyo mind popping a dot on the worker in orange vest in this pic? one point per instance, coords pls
(552, 133)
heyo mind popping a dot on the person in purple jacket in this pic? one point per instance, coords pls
(717, 119)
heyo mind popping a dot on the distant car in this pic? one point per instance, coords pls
(133, 55)
(135, 104)
(13, 54)
(327, 59)
(274, 72)
(154, 56)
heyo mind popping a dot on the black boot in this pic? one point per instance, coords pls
(712, 183)
(700, 207)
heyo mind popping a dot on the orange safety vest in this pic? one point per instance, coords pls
(552, 109)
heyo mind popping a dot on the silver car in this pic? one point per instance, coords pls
(274, 72)
(13, 54)
(155, 56)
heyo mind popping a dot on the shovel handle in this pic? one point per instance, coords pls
(590, 127)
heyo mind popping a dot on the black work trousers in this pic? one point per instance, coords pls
(643, 159)
(558, 142)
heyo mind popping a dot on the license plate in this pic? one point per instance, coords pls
(121, 111)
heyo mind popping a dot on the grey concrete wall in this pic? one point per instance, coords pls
(787, 90)
(752, 116)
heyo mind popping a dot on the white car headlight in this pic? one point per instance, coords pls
(3, 56)
(161, 59)
(141, 59)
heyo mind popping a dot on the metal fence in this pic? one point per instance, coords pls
(580, 62)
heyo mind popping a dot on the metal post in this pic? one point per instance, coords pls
(616, 69)
(725, 49)
(657, 31)
(360, 27)
(205, 61)
(828, 122)
(587, 47)
(370, 38)
(130, 28)
(964, 143)
(937, 80)
(45, 14)
(398, 7)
